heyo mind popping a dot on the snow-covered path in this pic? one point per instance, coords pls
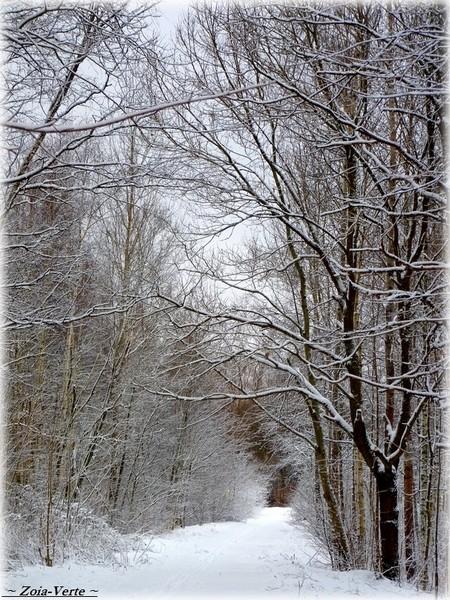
(263, 556)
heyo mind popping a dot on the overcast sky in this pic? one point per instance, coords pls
(170, 11)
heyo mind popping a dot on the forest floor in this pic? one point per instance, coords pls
(263, 556)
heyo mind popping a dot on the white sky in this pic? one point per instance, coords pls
(170, 11)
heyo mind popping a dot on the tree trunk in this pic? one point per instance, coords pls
(359, 513)
(409, 516)
(387, 502)
(340, 551)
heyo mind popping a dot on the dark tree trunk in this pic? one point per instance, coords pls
(387, 501)
(409, 517)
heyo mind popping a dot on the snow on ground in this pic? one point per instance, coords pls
(263, 556)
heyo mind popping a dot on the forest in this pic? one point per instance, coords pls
(225, 283)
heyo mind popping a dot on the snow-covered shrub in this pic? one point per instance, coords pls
(73, 532)
(88, 538)
(308, 512)
(21, 528)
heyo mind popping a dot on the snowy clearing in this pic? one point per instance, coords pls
(263, 556)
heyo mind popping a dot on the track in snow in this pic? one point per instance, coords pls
(263, 556)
